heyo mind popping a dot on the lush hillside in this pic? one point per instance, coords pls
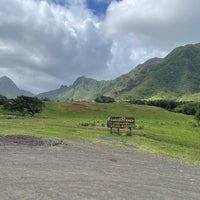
(174, 77)
(10, 90)
(126, 84)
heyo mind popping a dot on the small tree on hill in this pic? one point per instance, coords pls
(25, 105)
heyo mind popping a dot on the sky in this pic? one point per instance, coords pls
(48, 43)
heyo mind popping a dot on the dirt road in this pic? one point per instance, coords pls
(84, 171)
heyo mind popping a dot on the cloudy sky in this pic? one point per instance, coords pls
(46, 43)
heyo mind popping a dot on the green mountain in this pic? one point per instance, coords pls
(174, 77)
(82, 89)
(10, 90)
(171, 77)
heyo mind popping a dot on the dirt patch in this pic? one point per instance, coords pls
(27, 140)
(123, 143)
(76, 107)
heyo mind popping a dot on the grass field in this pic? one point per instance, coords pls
(158, 131)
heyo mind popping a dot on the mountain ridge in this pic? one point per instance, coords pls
(171, 77)
(174, 77)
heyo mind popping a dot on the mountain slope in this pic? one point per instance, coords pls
(130, 81)
(82, 89)
(53, 94)
(175, 76)
(10, 90)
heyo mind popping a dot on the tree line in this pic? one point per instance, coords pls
(188, 108)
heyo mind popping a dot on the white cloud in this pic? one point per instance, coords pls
(44, 44)
(47, 39)
(156, 23)
(142, 29)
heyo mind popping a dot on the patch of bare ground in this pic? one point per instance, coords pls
(27, 140)
(76, 107)
(81, 170)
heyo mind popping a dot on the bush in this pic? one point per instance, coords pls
(84, 124)
(104, 99)
(3, 100)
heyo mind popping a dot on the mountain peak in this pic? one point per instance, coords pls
(5, 78)
(9, 89)
(6, 83)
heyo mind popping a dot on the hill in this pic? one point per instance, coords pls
(174, 77)
(10, 90)
(157, 130)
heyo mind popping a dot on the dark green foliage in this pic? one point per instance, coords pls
(3, 100)
(189, 108)
(104, 99)
(166, 104)
(24, 105)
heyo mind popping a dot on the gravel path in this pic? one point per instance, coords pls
(84, 171)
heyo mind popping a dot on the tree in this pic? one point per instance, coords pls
(25, 105)
(104, 99)
(197, 117)
(3, 100)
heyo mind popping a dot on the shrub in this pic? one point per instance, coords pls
(104, 99)
(3, 100)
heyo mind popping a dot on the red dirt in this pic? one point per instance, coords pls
(76, 107)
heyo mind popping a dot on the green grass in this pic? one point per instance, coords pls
(158, 131)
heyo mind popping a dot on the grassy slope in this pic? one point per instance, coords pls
(172, 77)
(164, 132)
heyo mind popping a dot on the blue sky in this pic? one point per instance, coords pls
(99, 39)
(98, 7)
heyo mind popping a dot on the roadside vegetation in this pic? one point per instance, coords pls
(157, 130)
